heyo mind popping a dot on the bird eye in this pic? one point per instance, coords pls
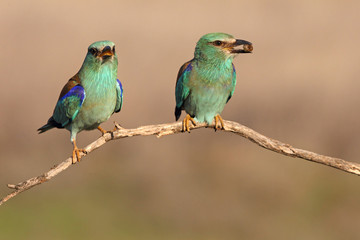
(114, 49)
(217, 43)
(93, 51)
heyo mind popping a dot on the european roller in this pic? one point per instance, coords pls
(207, 82)
(90, 97)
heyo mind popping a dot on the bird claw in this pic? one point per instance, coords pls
(185, 126)
(76, 157)
(219, 121)
(103, 131)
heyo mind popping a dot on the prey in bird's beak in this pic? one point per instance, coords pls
(247, 46)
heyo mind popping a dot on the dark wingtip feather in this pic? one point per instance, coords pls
(177, 113)
(44, 128)
(49, 125)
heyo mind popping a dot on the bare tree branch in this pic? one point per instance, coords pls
(173, 128)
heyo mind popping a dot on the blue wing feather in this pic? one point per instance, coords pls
(119, 97)
(182, 90)
(69, 105)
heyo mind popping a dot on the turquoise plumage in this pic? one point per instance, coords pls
(91, 96)
(207, 82)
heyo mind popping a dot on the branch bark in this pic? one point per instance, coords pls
(173, 128)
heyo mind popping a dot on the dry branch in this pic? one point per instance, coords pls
(172, 128)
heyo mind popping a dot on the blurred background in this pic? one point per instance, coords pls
(300, 86)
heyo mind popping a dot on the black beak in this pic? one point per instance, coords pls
(247, 46)
(106, 53)
(242, 42)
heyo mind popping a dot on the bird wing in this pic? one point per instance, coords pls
(70, 101)
(119, 96)
(233, 83)
(182, 90)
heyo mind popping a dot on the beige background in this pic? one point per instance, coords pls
(301, 86)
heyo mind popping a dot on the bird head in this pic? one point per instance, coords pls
(221, 46)
(101, 53)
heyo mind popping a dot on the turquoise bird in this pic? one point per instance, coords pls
(207, 82)
(90, 97)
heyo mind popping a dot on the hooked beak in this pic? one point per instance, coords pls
(247, 46)
(106, 53)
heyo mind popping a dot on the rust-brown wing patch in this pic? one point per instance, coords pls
(75, 80)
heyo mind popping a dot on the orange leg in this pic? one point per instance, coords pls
(76, 153)
(218, 120)
(103, 131)
(186, 127)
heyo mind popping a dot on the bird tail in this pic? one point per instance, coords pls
(49, 125)
(177, 113)
(45, 128)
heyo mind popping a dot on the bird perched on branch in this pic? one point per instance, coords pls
(207, 82)
(90, 97)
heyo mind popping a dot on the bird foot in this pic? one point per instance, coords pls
(185, 126)
(76, 156)
(219, 123)
(103, 131)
